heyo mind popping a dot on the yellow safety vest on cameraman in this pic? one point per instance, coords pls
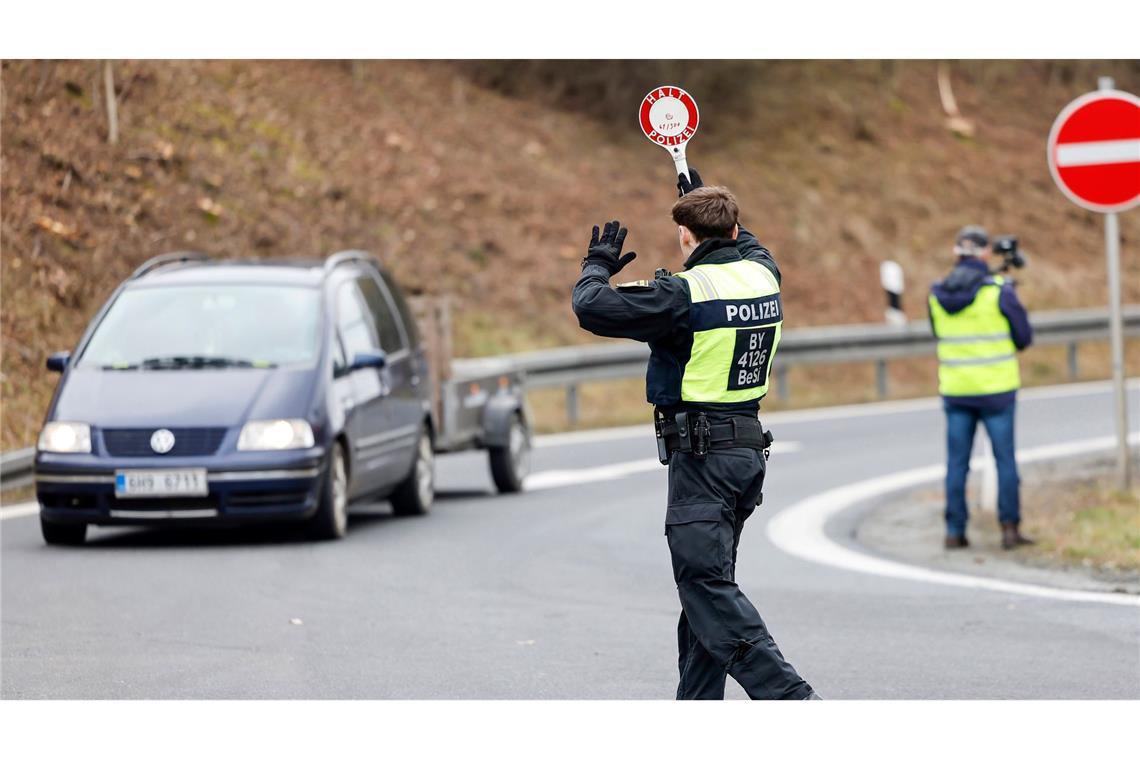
(976, 353)
(736, 318)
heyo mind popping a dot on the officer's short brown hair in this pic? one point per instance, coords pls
(708, 212)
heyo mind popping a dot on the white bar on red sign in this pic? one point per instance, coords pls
(1100, 152)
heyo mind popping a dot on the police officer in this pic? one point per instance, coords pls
(980, 325)
(712, 330)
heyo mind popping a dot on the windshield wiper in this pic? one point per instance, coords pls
(198, 362)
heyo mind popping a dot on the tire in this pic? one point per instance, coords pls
(331, 519)
(510, 464)
(415, 495)
(63, 534)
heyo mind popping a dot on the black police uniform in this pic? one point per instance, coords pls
(719, 632)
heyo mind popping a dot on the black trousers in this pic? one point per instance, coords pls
(720, 633)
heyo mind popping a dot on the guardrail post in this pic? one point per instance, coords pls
(572, 404)
(782, 382)
(1072, 356)
(881, 377)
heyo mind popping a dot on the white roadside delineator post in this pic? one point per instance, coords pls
(988, 485)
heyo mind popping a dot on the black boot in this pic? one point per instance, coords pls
(1011, 537)
(955, 542)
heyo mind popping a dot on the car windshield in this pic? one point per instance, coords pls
(207, 326)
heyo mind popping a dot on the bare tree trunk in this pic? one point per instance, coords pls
(955, 121)
(112, 103)
(946, 91)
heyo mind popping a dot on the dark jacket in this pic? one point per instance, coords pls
(957, 291)
(657, 312)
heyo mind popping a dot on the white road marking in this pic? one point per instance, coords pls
(848, 411)
(799, 529)
(560, 478)
(1098, 152)
(593, 436)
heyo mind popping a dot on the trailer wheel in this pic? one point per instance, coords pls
(511, 463)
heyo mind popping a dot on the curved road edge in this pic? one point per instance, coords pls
(799, 530)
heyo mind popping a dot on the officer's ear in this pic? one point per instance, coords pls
(735, 231)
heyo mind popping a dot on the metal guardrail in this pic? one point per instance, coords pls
(16, 468)
(570, 366)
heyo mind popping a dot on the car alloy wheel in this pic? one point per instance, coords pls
(339, 491)
(425, 471)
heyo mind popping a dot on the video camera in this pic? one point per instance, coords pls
(1006, 247)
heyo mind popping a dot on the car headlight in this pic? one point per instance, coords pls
(66, 438)
(275, 435)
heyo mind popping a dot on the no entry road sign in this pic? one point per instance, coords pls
(669, 118)
(1094, 156)
(1094, 151)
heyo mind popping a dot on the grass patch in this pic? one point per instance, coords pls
(609, 404)
(1087, 522)
(478, 332)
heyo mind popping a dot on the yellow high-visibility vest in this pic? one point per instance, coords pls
(736, 317)
(976, 353)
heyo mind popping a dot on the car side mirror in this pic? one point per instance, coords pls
(376, 359)
(58, 361)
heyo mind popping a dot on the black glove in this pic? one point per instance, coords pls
(606, 251)
(686, 185)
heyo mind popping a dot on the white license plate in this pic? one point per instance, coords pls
(141, 483)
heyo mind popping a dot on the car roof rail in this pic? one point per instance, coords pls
(343, 257)
(178, 257)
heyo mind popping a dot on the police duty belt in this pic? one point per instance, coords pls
(691, 432)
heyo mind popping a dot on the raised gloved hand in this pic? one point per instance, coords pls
(686, 185)
(606, 250)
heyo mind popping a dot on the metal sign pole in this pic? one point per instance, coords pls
(1116, 334)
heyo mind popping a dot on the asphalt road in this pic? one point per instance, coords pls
(561, 592)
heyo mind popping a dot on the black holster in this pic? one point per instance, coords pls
(693, 433)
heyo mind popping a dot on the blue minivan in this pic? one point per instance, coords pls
(238, 392)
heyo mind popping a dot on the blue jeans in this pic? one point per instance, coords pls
(961, 422)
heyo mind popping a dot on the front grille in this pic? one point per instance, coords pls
(69, 501)
(188, 442)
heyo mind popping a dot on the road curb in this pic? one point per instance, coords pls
(908, 526)
(800, 531)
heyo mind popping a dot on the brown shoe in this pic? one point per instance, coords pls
(1011, 537)
(955, 542)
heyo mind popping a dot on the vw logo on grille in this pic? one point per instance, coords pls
(162, 441)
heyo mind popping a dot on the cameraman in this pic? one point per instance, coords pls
(980, 325)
